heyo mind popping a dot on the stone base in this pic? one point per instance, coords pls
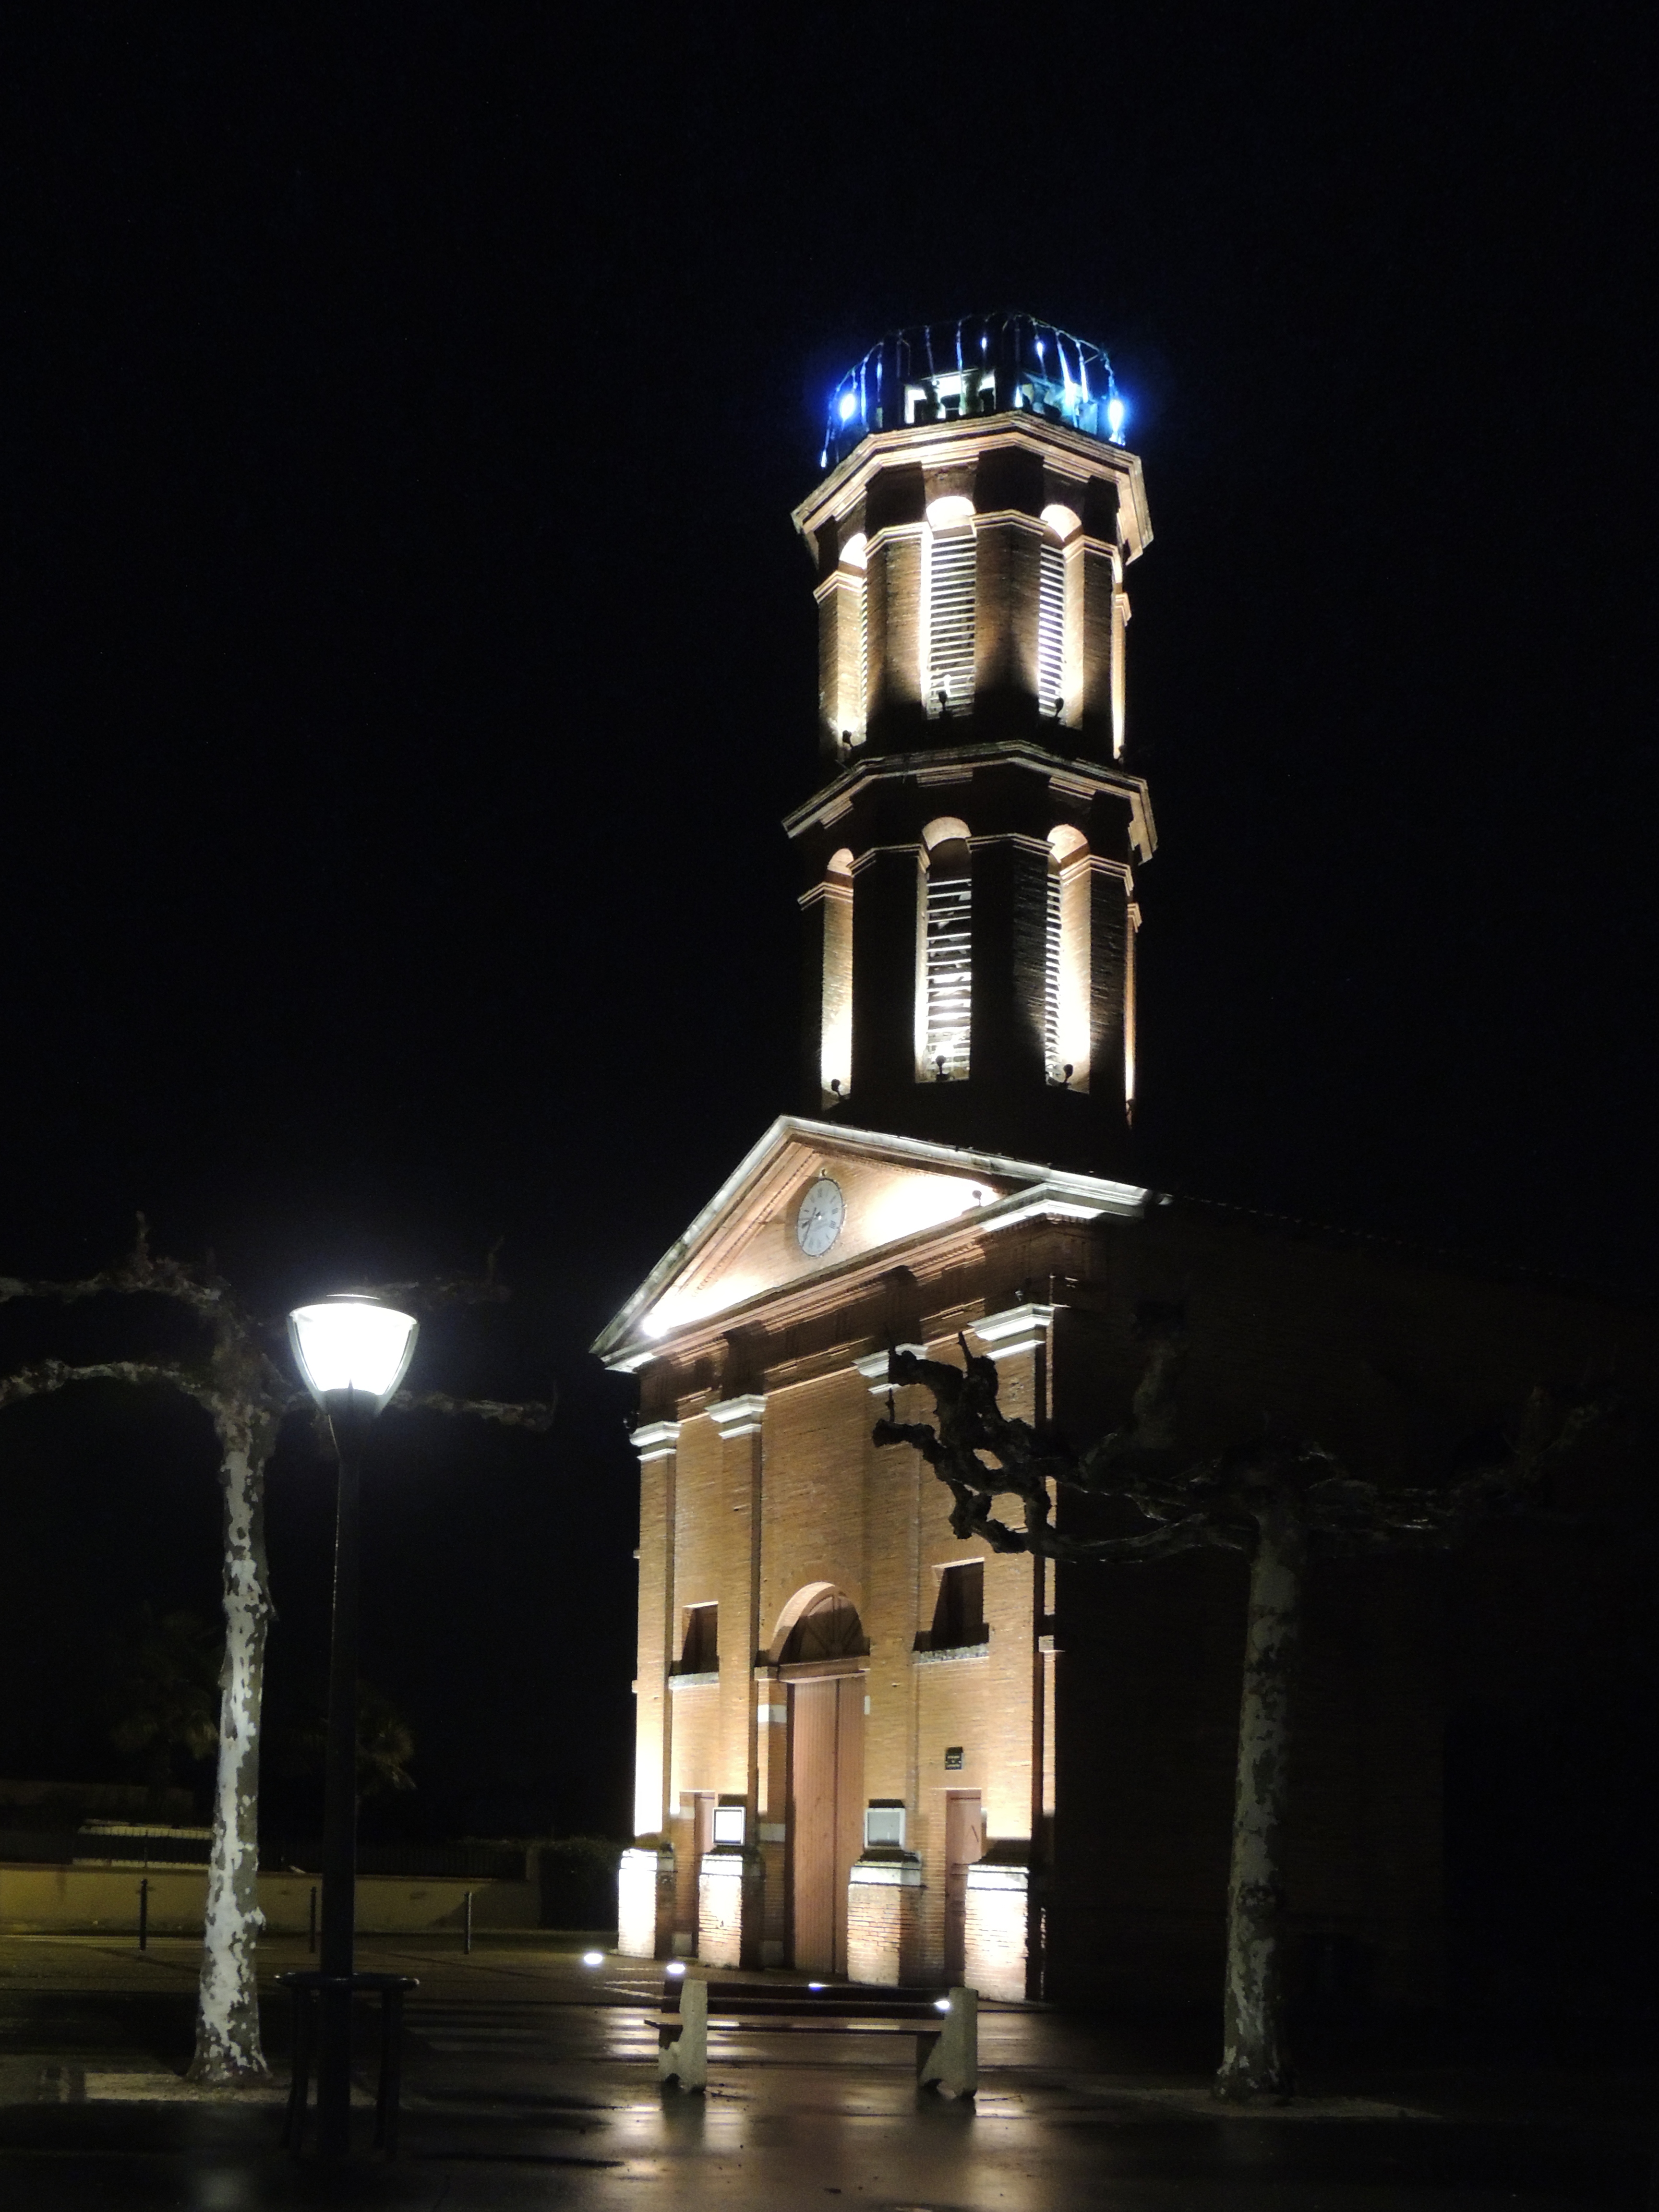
(884, 1919)
(645, 1901)
(729, 1892)
(998, 1950)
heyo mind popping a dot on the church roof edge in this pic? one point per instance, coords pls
(623, 1344)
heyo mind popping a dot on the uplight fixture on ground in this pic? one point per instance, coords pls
(353, 1353)
(592, 1958)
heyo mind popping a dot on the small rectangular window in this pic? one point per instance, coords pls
(959, 1611)
(700, 1651)
(884, 1826)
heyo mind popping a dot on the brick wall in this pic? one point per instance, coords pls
(884, 1900)
(1389, 1362)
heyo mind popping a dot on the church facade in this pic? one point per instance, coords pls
(864, 1747)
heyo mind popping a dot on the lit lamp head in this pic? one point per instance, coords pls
(353, 1353)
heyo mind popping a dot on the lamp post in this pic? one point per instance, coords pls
(353, 1353)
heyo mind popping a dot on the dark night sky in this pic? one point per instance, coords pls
(409, 661)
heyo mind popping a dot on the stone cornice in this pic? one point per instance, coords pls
(1044, 1193)
(738, 1417)
(873, 1366)
(1076, 779)
(952, 444)
(656, 1439)
(1016, 1330)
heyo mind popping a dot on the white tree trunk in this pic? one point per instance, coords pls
(227, 2047)
(1255, 2061)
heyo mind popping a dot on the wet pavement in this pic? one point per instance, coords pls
(531, 2081)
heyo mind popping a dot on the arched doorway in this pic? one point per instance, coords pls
(822, 1652)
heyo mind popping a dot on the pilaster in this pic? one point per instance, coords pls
(1102, 580)
(999, 1954)
(883, 1920)
(655, 1442)
(740, 1423)
(730, 1906)
(883, 972)
(645, 1901)
(1108, 958)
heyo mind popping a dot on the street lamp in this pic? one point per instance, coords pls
(353, 1353)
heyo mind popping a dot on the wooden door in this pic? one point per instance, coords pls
(826, 1816)
(964, 1842)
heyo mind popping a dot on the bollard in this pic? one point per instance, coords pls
(143, 1914)
(682, 2046)
(310, 1944)
(467, 1923)
(950, 2060)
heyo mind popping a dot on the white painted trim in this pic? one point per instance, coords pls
(953, 1655)
(872, 1365)
(1067, 1195)
(884, 1874)
(1075, 779)
(656, 1440)
(983, 1876)
(737, 1417)
(1020, 1328)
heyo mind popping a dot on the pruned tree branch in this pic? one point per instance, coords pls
(534, 1414)
(247, 1394)
(1272, 1498)
(982, 1456)
(198, 1286)
(46, 1376)
(431, 1295)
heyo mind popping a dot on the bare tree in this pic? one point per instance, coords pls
(1275, 1499)
(247, 1396)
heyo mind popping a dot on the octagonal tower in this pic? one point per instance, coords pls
(969, 862)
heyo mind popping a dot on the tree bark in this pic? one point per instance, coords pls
(1254, 2060)
(229, 2051)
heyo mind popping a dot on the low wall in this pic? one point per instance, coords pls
(38, 1899)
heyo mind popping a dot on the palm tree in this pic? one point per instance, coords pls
(385, 1744)
(166, 1696)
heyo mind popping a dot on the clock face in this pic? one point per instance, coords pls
(822, 1213)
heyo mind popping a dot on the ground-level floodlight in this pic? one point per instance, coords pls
(592, 1958)
(353, 1353)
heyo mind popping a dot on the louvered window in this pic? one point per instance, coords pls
(949, 971)
(864, 654)
(1051, 624)
(950, 623)
(1051, 977)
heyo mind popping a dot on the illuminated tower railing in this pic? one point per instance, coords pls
(971, 536)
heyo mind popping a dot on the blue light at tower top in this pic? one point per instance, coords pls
(936, 372)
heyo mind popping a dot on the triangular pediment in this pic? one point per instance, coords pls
(894, 1193)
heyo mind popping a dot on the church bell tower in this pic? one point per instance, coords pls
(969, 861)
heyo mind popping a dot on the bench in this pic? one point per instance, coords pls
(945, 2023)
